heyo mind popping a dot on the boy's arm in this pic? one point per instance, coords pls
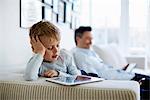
(35, 62)
(33, 66)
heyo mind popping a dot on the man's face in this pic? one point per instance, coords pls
(52, 48)
(85, 41)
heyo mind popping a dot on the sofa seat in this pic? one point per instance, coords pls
(14, 87)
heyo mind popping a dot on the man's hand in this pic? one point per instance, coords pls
(50, 73)
(37, 46)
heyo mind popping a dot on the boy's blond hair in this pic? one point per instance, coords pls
(45, 28)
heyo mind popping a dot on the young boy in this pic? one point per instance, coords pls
(48, 60)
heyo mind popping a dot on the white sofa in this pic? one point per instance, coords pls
(14, 87)
(111, 55)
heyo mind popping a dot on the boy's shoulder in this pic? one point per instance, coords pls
(65, 53)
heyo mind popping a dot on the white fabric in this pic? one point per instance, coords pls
(16, 78)
(111, 55)
(64, 65)
(88, 60)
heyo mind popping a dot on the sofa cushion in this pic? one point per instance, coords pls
(111, 55)
(42, 90)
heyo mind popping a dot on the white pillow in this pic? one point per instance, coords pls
(111, 55)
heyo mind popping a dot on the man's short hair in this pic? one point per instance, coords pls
(80, 31)
(45, 28)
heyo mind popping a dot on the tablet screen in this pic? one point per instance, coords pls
(72, 79)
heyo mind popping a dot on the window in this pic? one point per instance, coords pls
(119, 21)
(138, 11)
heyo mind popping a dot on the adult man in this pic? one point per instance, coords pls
(88, 61)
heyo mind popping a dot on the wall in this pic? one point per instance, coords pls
(0, 35)
(67, 37)
(14, 42)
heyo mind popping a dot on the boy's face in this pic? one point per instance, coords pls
(52, 48)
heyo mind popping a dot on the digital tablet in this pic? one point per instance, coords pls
(74, 80)
(130, 67)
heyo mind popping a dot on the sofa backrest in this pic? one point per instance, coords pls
(111, 55)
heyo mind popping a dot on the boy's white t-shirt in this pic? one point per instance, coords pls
(64, 65)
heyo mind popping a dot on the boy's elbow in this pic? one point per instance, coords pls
(30, 78)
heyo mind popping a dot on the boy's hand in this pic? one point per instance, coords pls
(50, 73)
(37, 46)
